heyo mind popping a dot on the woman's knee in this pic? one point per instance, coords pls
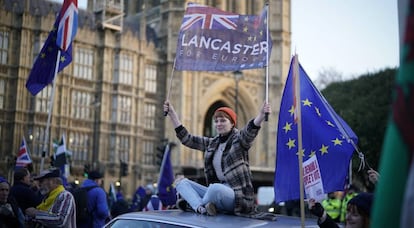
(181, 181)
(221, 195)
(215, 189)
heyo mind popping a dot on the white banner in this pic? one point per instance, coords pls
(312, 180)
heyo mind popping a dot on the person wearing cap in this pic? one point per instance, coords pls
(23, 193)
(97, 201)
(10, 213)
(226, 165)
(357, 216)
(58, 207)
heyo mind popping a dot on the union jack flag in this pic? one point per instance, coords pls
(204, 17)
(68, 24)
(23, 157)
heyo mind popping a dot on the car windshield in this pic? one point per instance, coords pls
(127, 223)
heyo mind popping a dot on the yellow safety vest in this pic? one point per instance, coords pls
(345, 201)
(332, 207)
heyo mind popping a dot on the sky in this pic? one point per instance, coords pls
(352, 37)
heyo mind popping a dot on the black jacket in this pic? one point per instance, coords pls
(25, 196)
(328, 223)
(11, 218)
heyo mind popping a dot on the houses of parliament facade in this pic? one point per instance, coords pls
(108, 101)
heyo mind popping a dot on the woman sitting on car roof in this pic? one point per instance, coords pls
(226, 165)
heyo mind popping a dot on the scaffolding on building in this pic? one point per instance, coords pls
(109, 13)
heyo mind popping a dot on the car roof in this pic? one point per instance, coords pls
(191, 219)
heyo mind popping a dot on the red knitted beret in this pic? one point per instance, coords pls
(230, 112)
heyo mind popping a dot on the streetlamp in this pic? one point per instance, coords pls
(237, 76)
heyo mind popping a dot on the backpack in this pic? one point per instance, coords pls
(83, 215)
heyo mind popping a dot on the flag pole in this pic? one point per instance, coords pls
(49, 116)
(164, 158)
(267, 59)
(170, 85)
(298, 119)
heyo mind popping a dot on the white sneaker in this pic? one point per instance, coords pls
(201, 210)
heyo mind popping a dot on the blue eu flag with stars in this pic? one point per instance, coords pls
(324, 134)
(166, 189)
(43, 71)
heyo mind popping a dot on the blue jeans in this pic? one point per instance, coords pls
(198, 195)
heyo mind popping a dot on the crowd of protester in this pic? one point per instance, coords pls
(45, 201)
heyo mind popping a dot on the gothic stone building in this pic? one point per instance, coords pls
(108, 101)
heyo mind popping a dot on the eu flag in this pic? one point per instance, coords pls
(166, 189)
(43, 71)
(211, 39)
(325, 135)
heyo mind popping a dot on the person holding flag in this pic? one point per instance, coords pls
(226, 165)
(208, 32)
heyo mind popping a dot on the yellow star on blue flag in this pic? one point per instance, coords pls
(166, 191)
(43, 70)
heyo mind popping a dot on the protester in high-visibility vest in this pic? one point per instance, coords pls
(332, 206)
(358, 212)
(350, 193)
